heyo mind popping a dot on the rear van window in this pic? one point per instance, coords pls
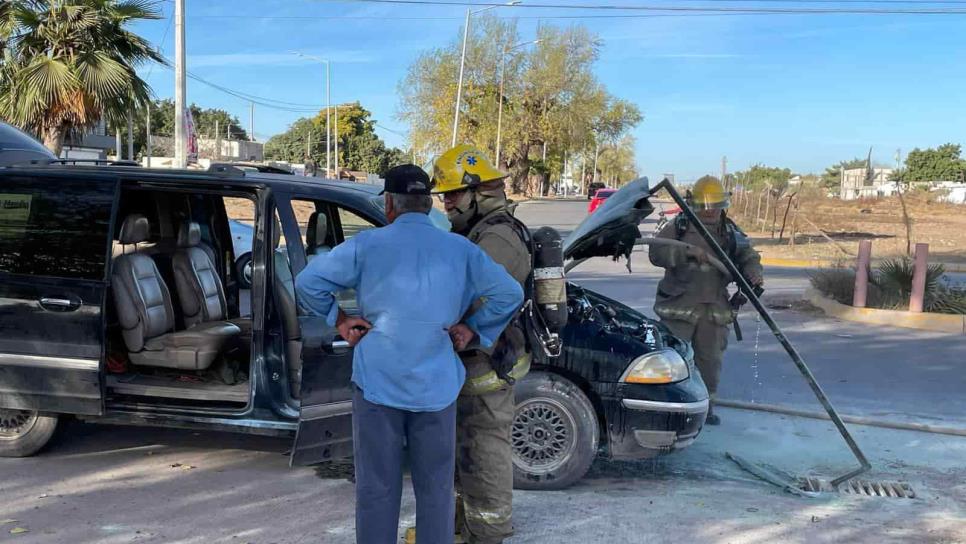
(55, 227)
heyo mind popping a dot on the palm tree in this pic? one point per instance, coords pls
(68, 63)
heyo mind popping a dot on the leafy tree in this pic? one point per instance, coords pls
(760, 176)
(69, 63)
(162, 123)
(616, 163)
(940, 164)
(359, 146)
(551, 98)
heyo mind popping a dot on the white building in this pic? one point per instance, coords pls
(955, 191)
(855, 183)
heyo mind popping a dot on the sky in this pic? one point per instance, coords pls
(790, 90)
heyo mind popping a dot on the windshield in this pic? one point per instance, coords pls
(438, 218)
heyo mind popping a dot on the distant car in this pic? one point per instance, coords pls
(17, 147)
(593, 188)
(599, 197)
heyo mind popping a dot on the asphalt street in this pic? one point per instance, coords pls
(105, 484)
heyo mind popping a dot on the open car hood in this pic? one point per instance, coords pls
(612, 229)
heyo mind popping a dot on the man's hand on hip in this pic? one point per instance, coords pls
(352, 329)
(461, 335)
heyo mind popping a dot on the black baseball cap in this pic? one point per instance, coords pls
(407, 179)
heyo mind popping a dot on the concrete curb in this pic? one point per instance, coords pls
(797, 263)
(855, 420)
(828, 263)
(949, 323)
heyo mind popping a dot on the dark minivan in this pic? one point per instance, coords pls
(121, 302)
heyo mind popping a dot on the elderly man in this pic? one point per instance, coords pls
(414, 283)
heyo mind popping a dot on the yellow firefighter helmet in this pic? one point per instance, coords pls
(709, 194)
(463, 167)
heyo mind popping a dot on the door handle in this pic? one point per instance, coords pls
(57, 304)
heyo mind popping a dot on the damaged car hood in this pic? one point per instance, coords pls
(612, 229)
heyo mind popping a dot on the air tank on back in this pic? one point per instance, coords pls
(549, 283)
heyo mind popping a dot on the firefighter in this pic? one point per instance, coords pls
(692, 298)
(472, 190)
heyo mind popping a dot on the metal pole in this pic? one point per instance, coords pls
(499, 115)
(217, 140)
(130, 135)
(749, 292)
(328, 123)
(148, 135)
(459, 84)
(251, 123)
(335, 132)
(180, 139)
(118, 143)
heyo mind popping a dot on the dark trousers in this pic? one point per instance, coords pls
(378, 434)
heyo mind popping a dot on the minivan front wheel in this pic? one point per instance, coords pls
(24, 432)
(554, 433)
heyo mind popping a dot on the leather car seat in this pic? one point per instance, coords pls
(143, 304)
(200, 290)
(316, 235)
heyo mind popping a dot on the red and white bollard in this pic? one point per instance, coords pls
(861, 290)
(919, 278)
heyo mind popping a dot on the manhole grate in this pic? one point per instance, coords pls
(865, 488)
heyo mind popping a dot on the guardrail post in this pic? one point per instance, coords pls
(919, 278)
(862, 274)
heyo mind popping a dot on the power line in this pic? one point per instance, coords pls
(688, 9)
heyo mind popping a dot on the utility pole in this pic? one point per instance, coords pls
(148, 135)
(217, 140)
(724, 171)
(180, 139)
(308, 147)
(328, 124)
(459, 84)
(130, 135)
(117, 143)
(251, 123)
(336, 145)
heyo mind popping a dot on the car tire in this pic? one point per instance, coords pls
(243, 270)
(24, 432)
(554, 433)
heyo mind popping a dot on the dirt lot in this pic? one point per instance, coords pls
(942, 226)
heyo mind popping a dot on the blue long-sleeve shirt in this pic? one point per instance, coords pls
(413, 281)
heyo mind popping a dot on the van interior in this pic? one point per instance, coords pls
(179, 314)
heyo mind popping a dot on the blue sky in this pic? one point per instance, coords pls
(798, 91)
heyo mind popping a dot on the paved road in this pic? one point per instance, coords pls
(887, 372)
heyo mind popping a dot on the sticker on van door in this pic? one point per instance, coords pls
(14, 212)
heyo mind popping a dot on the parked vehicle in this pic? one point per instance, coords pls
(599, 198)
(122, 301)
(593, 187)
(17, 147)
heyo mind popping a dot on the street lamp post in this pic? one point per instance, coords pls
(459, 84)
(328, 107)
(499, 116)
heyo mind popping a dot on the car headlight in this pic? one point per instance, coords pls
(662, 366)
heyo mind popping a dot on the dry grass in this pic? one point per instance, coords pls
(941, 225)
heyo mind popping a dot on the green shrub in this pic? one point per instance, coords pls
(890, 286)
